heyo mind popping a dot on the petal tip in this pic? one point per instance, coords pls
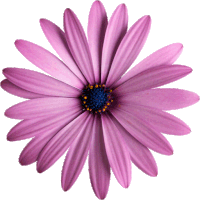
(4, 72)
(180, 45)
(123, 5)
(2, 83)
(147, 17)
(154, 173)
(39, 168)
(42, 21)
(64, 186)
(195, 99)
(189, 68)
(21, 161)
(18, 43)
(97, 2)
(68, 11)
(6, 113)
(170, 152)
(9, 138)
(126, 185)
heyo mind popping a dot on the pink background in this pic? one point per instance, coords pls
(172, 21)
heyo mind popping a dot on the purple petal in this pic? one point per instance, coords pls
(117, 27)
(32, 150)
(39, 83)
(140, 155)
(77, 154)
(17, 91)
(97, 24)
(56, 38)
(160, 120)
(78, 45)
(153, 77)
(117, 152)
(31, 127)
(129, 49)
(41, 107)
(30, 153)
(143, 132)
(99, 167)
(163, 99)
(57, 146)
(48, 63)
(165, 56)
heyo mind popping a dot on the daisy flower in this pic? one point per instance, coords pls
(92, 105)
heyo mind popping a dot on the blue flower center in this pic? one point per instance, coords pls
(96, 98)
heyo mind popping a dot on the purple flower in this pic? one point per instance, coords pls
(92, 106)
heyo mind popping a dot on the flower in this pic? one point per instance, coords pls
(91, 106)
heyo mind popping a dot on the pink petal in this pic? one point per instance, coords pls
(57, 146)
(117, 27)
(143, 132)
(99, 167)
(153, 77)
(31, 127)
(17, 91)
(165, 56)
(39, 83)
(96, 32)
(78, 45)
(129, 49)
(56, 38)
(48, 63)
(160, 120)
(140, 155)
(117, 152)
(31, 152)
(163, 99)
(41, 107)
(77, 155)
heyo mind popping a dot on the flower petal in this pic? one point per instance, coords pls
(17, 91)
(99, 167)
(117, 152)
(163, 99)
(31, 152)
(97, 24)
(39, 83)
(140, 155)
(41, 107)
(31, 127)
(78, 45)
(77, 155)
(57, 146)
(48, 62)
(129, 49)
(160, 120)
(56, 38)
(153, 77)
(117, 27)
(165, 56)
(143, 132)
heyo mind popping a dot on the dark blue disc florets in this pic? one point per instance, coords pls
(96, 98)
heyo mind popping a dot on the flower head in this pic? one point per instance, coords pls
(92, 104)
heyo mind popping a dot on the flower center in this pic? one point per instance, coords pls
(96, 98)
